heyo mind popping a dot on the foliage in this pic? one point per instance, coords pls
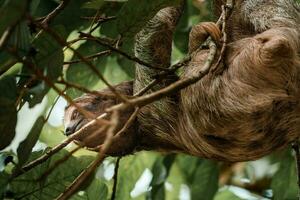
(173, 176)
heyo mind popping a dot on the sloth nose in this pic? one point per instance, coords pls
(69, 130)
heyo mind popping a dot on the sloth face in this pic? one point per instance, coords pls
(94, 135)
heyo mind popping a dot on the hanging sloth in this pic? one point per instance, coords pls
(249, 110)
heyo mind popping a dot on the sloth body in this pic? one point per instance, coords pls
(248, 111)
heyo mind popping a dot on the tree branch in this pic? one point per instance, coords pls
(96, 55)
(55, 12)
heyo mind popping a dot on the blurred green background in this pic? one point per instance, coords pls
(25, 134)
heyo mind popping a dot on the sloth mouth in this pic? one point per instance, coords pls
(78, 126)
(74, 128)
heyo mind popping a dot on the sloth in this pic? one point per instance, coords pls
(249, 110)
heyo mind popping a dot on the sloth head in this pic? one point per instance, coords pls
(93, 136)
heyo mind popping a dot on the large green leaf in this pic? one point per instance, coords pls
(284, 182)
(205, 183)
(25, 148)
(49, 60)
(19, 39)
(131, 168)
(160, 170)
(201, 176)
(97, 190)
(10, 12)
(8, 112)
(131, 20)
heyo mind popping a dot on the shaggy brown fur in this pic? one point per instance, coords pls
(248, 111)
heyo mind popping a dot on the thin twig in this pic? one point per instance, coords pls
(4, 68)
(158, 77)
(75, 185)
(52, 107)
(112, 48)
(5, 37)
(115, 178)
(226, 10)
(23, 90)
(96, 55)
(147, 87)
(55, 12)
(94, 19)
(99, 18)
(78, 87)
(129, 122)
(101, 21)
(84, 89)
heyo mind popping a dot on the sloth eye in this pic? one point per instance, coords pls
(74, 114)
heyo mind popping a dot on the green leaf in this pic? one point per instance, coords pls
(97, 190)
(201, 176)
(226, 195)
(284, 182)
(71, 17)
(20, 38)
(94, 4)
(160, 170)
(50, 55)
(10, 12)
(131, 20)
(126, 65)
(6, 61)
(49, 59)
(131, 168)
(33, 6)
(205, 183)
(188, 165)
(110, 28)
(28, 185)
(25, 148)
(8, 112)
(4, 177)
